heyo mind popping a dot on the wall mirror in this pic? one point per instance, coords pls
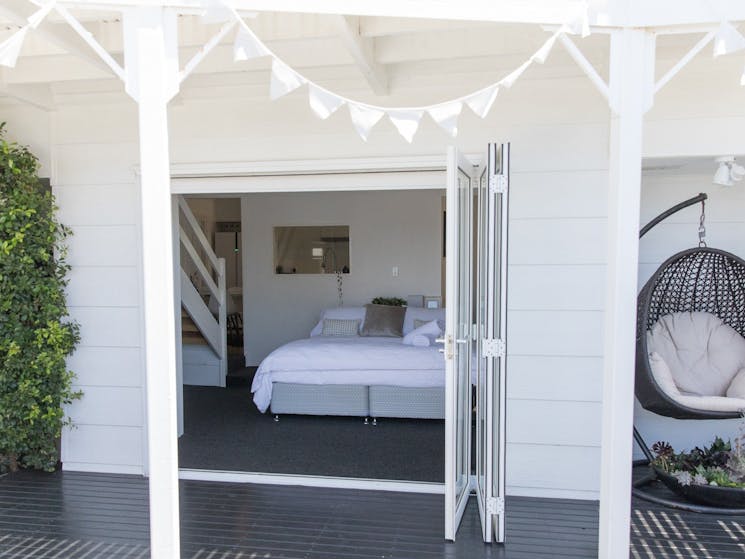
(311, 249)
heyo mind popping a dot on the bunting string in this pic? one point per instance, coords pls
(365, 116)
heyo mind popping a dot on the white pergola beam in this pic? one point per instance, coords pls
(151, 70)
(632, 53)
(362, 51)
(639, 13)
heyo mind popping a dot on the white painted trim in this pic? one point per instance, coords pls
(307, 166)
(226, 476)
(102, 468)
(585, 65)
(672, 72)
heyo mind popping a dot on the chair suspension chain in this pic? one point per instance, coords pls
(702, 226)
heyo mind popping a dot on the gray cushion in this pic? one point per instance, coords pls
(340, 327)
(383, 320)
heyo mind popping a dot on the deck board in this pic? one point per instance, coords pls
(81, 515)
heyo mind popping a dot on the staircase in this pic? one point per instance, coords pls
(204, 343)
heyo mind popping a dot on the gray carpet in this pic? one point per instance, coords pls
(223, 430)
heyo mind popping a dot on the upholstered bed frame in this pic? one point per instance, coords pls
(358, 400)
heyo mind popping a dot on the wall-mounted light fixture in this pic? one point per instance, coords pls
(728, 172)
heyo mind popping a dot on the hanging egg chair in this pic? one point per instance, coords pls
(697, 280)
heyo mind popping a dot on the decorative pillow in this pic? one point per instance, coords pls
(419, 313)
(346, 313)
(423, 335)
(737, 386)
(340, 327)
(383, 320)
(702, 352)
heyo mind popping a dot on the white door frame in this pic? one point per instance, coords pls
(234, 179)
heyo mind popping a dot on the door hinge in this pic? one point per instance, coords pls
(498, 184)
(493, 347)
(495, 505)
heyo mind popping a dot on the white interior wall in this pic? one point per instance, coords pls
(725, 226)
(386, 229)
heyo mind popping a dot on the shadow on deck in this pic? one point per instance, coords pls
(96, 515)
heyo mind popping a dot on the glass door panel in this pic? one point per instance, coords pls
(459, 318)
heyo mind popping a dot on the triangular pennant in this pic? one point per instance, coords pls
(406, 122)
(324, 103)
(742, 78)
(217, 11)
(481, 101)
(542, 53)
(10, 48)
(284, 80)
(728, 40)
(510, 79)
(248, 46)
(38, 16)
(364, 118)
(446, 115)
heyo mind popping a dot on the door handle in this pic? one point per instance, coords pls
(461, 341)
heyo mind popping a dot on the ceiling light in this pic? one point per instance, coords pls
(728, 172)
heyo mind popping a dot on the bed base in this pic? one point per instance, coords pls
(358, 401)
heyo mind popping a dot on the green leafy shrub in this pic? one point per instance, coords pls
(391, 301)
(35, 335)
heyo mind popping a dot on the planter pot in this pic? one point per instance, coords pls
(727, 497)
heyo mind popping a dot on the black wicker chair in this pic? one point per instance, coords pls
(698, 279)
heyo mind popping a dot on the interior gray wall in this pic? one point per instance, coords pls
(387, 229)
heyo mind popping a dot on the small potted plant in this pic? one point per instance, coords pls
(713, 475)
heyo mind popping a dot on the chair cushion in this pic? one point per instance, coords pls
(702, 353)
(736, 388)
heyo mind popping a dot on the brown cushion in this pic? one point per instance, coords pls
(383, 320)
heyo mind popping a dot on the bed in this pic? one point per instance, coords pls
(354, 375)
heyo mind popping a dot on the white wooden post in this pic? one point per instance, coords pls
(630, 87)
(151, 66)
(175, 232)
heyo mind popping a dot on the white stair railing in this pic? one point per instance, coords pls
(210, 272)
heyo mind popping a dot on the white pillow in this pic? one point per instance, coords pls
(702, 352)
(421, 314)
(426, 331)
(736, 388)
(342, 313)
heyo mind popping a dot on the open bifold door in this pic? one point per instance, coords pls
(475, 337)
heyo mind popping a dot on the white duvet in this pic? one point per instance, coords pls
(348, 360)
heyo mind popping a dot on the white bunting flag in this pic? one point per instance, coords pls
(38, 16)
(11, 48)
(248, 46)
(728, 40)
(284, 80)
(323, 103)
(446, 115)
(742, 77)
(406, 122)
(510, 79)
(542, 53)
(481, 101)
(364, 118)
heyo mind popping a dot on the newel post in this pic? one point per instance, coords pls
(151, 59)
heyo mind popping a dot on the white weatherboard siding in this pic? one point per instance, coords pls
(725, 226)
(96, 187)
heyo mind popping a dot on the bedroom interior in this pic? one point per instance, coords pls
(355, 252)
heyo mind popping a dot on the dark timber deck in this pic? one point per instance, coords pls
(75, 515)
